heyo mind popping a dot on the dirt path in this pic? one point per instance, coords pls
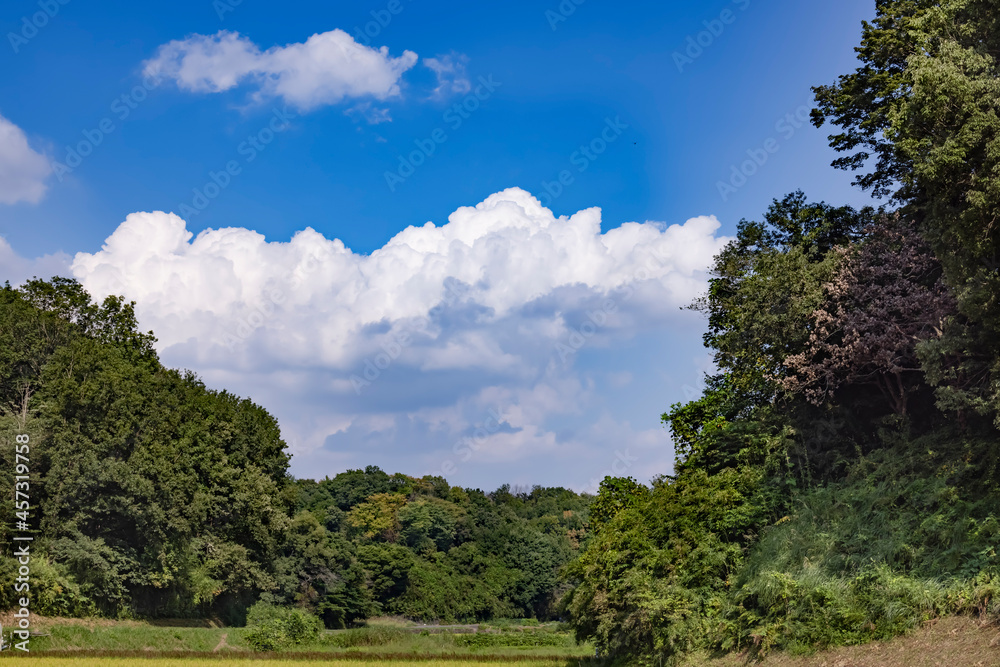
(222, 643)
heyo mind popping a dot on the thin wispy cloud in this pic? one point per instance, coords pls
(452, 77)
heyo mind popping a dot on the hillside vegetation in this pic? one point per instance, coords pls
(837, 481)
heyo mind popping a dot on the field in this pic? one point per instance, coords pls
(949, 642)
(244, 662)
(383, 641)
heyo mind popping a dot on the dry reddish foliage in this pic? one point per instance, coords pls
(886, 297)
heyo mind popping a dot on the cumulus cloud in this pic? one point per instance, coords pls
(325, 69)
(22, 170)
(409, 350)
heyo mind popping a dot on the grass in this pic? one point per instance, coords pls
(246, 662)
(957, 641)
(547, 642)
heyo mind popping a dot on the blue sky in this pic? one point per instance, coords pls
(617, 99)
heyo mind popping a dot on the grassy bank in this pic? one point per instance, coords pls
(957, 641)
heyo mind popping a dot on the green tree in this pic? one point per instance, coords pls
(378, 517)
(925, 102)
(615, 494)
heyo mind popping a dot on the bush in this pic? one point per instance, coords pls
(55, 592)
(271, 628)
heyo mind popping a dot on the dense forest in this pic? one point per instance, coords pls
(154, 496)
(838, 481)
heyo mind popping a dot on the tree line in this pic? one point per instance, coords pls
(152, 496)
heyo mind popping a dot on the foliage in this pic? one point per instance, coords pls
(378, 516)
(155, 496)
(925, 101)
(615, 495)
(885, 298)
(653, 579)
(271, 628)
(806, 508)
(908, 535)
(368, 636)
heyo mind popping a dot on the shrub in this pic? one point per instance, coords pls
(271, 628)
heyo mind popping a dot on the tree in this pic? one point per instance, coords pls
(28, 338)
(765, 285)
(378, 517)
(39, 317)
(318, 570)
(615, 495)
(925, 102)
(886, 297)
(763, 288)
(430, 524)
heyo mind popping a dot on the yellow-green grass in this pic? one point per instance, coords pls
(947, 642)
(246, 662)
(107, 638)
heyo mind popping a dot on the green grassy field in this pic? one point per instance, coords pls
(948, 642)
(504, 642)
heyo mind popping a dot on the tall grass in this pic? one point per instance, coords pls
(900, 541)
(367, 637)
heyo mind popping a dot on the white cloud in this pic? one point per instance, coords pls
(372, 114)
(445, 323)
(451, 74)
(22, 170)
(17, 269)
(325, 69)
